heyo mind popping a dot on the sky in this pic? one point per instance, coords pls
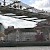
(39, 4)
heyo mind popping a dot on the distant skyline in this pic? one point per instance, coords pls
(39, 4)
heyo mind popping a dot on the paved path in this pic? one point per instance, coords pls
(26, 48)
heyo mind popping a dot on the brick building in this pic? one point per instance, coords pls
(20, 34)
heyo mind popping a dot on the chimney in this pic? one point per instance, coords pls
(10, 27)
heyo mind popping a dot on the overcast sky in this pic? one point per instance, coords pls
(39, 4)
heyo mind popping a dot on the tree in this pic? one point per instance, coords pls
(14, 6)
(0, 3)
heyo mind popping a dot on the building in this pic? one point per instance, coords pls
(2, 35)
(1, 28)
(45, 28)
(21, 34)
(28, 34)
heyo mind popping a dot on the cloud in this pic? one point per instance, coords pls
(31, 1)
(40, 4)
